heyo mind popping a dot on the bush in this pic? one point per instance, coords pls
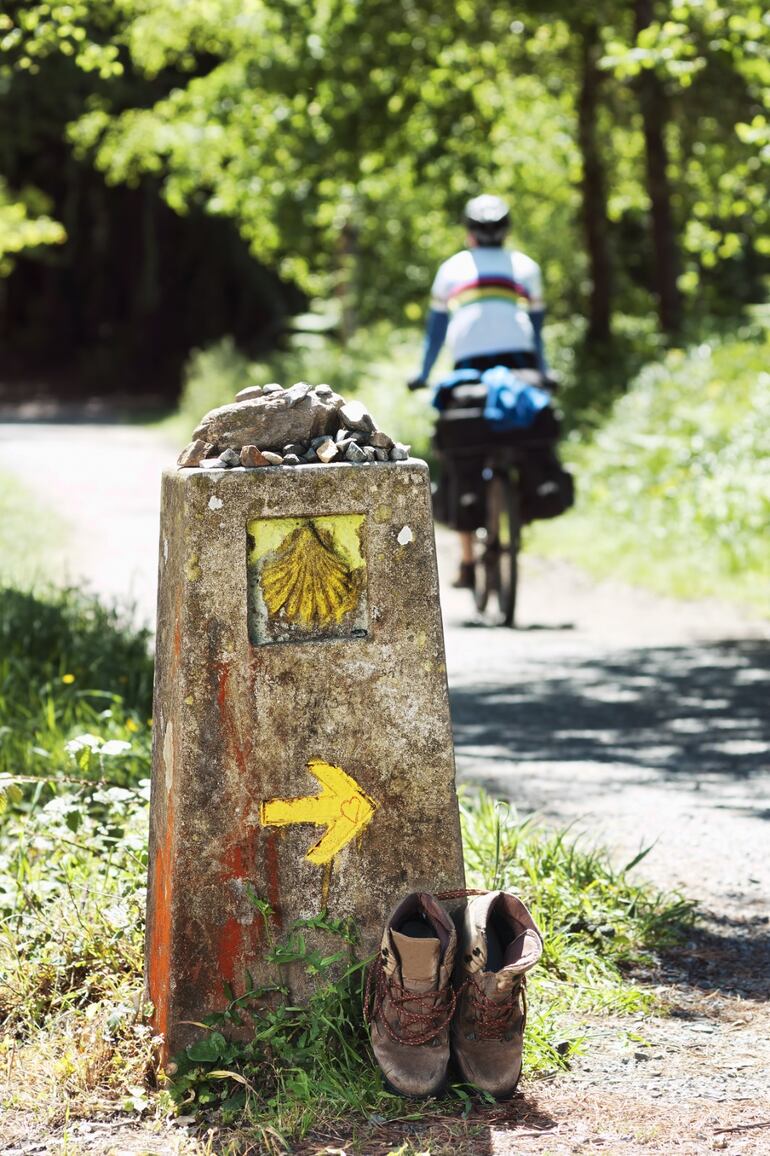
(674, 489)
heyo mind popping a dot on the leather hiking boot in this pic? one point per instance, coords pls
(410, 998)
(498, 943)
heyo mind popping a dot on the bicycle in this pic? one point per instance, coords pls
(506, 462)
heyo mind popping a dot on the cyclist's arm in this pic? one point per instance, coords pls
(435, 332)
(537, 317)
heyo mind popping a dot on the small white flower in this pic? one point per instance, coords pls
(115, 747)
(81, 741)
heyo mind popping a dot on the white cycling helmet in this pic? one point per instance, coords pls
(488, 218)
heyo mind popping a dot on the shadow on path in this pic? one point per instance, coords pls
(731, 955)
(679, 713)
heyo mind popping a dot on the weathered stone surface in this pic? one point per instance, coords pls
(252, 458)
(272, 387)
(272, 458)
(215, 463)
(193, 454)
(230, 457)
(249, 393)
(291, 459)
(270, 421)
(310, 456)
(355, 416)
(236, 723)
(369, 453)
(327, 451)
(381, 441)
(381, 455)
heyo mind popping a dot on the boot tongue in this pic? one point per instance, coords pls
(419, 961)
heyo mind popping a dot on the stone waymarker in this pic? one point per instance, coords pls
(303, 751)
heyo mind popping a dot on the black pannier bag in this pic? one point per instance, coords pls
(546, 488)
(463, 436)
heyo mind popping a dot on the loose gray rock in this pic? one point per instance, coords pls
(291, 460)
(381, 441)
(310, 457)
(270, 421)
(213, 464)
(230, 458)
(354, 453)
(272, 459)
(324, 390)
(356, 417)
(252, 458)
(272, 387)
(342, 435)
(369, 453)
(327, 451)
(399, 453)
(250, 392)
(295, 448)
(380, 455)
(193, 454)
(296, 392)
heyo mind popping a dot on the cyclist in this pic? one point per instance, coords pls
(487, 303)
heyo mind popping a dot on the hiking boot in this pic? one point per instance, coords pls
(498, 943)
(412, 999)
(465, 577)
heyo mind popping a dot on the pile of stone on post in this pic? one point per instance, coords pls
(268, 425)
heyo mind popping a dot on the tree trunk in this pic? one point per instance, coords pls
(594, 187)
(653, 103)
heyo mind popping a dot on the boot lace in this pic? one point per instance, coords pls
(493, 1018)
(420, 1016)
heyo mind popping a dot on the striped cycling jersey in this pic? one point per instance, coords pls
(489, 288)
(488, 294)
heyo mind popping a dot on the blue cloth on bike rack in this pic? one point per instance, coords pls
(511, 403)
(442, 391)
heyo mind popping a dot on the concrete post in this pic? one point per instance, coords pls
(303, 751)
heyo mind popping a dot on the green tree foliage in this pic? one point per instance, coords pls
(22, 227)
(343, 137)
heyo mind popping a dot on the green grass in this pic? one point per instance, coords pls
(674, 488)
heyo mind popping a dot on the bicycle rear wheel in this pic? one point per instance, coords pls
(496, 571)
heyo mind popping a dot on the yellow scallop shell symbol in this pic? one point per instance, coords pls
(309, 581)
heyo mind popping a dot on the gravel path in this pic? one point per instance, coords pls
(642, 720)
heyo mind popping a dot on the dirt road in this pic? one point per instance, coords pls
(640, 719)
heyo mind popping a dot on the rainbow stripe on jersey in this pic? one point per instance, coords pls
(489, 288)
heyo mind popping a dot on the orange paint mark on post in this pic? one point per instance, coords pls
(228, 949)
(159, 955)
(230, 729)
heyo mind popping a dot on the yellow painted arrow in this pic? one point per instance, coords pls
(342, 807)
